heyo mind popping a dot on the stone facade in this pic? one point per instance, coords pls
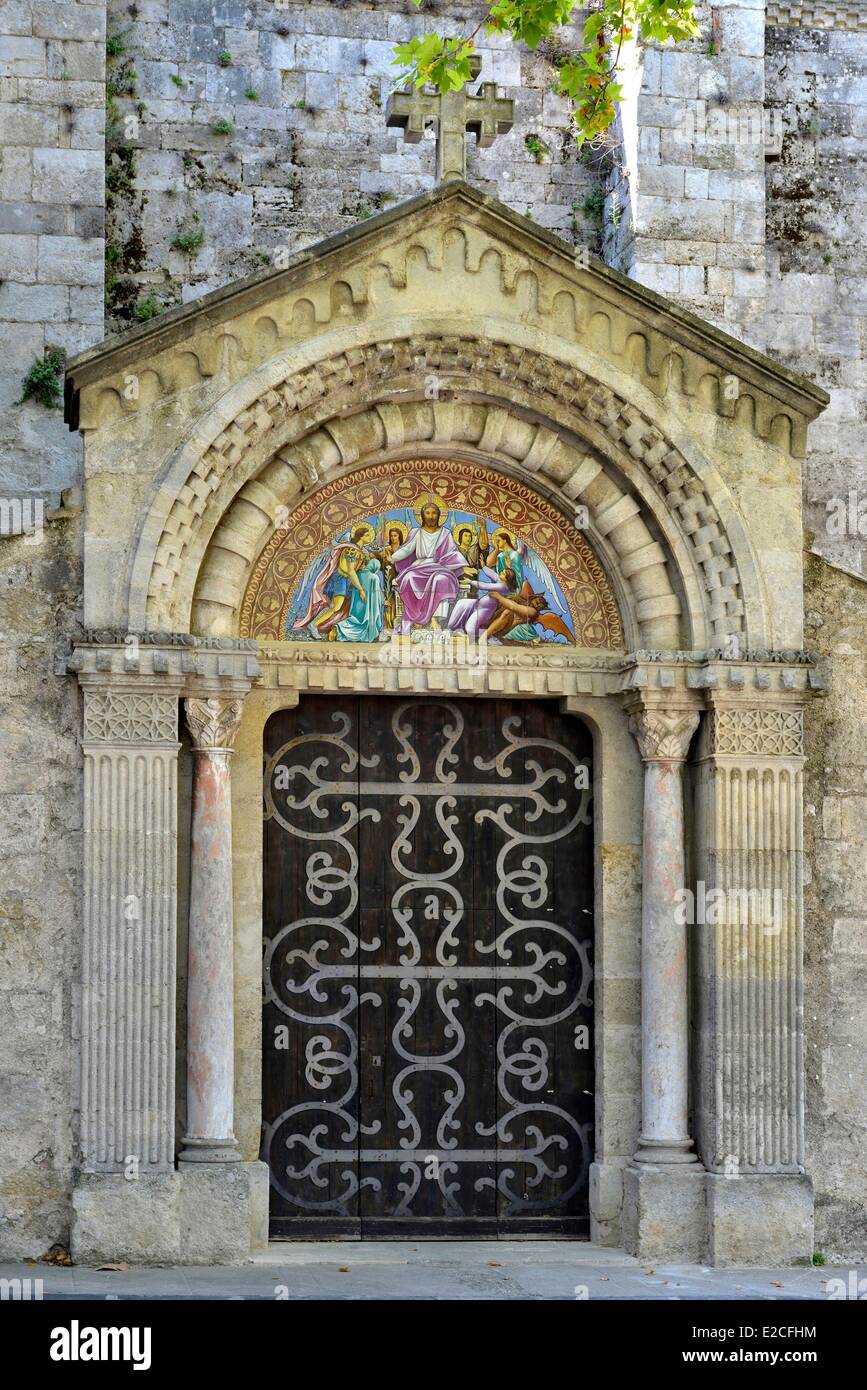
(757, 232)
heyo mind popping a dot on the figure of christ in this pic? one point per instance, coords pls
(429, 566)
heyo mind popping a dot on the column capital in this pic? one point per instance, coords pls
(663, 733)
(214, 721)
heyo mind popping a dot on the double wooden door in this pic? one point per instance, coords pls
(428, 901)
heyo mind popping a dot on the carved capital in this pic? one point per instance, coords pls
(213, 722)
(663, 735)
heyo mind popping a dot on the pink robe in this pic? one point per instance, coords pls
(424, 584)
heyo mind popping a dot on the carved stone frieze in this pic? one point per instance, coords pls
(112, 717)
(758, 732)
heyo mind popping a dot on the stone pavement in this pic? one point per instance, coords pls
(433, 1270)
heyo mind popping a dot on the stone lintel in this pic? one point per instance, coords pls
(179, 661)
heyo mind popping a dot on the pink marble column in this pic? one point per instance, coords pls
(663, 737)
(209, 1136)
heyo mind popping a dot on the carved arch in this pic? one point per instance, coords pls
(663, 524)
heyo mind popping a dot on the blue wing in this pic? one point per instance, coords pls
(536, 567)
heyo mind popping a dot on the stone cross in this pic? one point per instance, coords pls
(484, 114)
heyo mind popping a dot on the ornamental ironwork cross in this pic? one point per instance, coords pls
(456, 114)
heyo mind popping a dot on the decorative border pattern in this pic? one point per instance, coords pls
(113, 717)
(819, 14)
(324, 515)
(768, 733)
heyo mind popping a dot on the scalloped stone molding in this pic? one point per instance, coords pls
(520, 273)
(819, 14)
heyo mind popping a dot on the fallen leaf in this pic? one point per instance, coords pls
(56, 1255)
(495, 1263)
(775, 1283)
(343, 1269)
(648, 1272)
(604, 1278)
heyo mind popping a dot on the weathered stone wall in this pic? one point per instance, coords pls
(698, 184)
(835, 843)
(261, 127)
(51, 261)
(817, 285)
(817, 316)
(40, 883)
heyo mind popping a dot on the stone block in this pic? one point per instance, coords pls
(221, 1209)
(243, 44)
(115, 1218)
(743, 31)
(18, 258)
(22, 125)
(33, 303)
(850, 936)
(58, 19)
(320, 91)
(696, 183)
(278, 51)
(21, 57)
(662, 181)
(762, 1218)
(68, 260)
(227, 218)
(680, 73)
(606, 1194)
(679, 217)
(68, 176)
(664, 1215)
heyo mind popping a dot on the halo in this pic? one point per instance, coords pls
(369, 533)
(501, 531)
(399, 526)
(430, 497)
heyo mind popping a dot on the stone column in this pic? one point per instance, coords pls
(213, 723)
(663, 1186)
(749, 996)
(663, 737)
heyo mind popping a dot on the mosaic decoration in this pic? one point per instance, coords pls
(430, 546)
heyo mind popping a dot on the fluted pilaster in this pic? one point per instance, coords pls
(127, 1079)
(750, 996)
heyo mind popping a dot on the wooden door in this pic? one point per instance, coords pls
(428, 1060)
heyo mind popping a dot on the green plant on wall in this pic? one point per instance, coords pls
(147, 308)
(190, 242)
(537, 147)
(42, 382)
